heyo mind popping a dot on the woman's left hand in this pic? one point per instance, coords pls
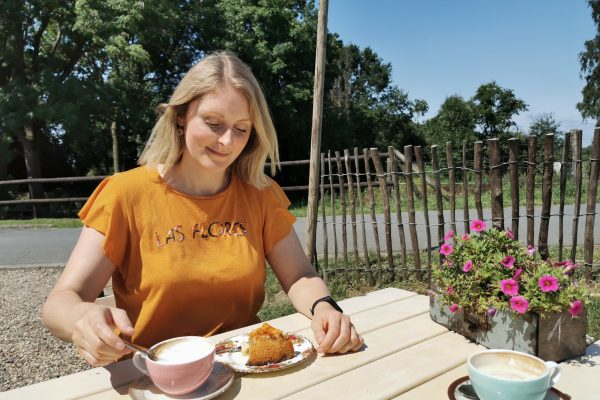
(334, 331)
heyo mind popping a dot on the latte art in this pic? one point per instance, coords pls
(182, 350)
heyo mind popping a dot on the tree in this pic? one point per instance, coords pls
(494, 108)
(590, 69)
(52, 57)
(455, 121)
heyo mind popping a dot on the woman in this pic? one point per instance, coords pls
(186, 235)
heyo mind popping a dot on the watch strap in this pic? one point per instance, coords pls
(327, 299)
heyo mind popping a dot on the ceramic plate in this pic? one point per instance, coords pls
(230, 352)
(219, 381)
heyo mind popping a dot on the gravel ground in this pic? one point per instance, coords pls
(29, 353)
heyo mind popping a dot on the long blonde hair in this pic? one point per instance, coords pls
(165, 146)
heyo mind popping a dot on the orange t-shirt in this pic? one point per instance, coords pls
(186, 265)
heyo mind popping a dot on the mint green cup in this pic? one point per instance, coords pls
(511, 375)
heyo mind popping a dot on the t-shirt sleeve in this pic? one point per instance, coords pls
(278, 219)
(105, 211)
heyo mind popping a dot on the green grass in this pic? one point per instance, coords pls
(44, 222)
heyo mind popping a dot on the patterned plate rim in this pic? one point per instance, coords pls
(298, 341)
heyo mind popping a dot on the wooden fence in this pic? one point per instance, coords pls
(350, 183)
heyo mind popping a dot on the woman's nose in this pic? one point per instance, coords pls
(226, 137)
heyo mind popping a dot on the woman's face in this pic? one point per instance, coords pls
(217, 128)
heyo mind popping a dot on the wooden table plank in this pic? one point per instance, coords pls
(119, 375)
(436, 388)
(580, 377)
(380, 343)
(396, 373)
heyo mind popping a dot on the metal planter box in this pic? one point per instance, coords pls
(554, 337)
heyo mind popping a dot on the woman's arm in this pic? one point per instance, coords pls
(333, 330)
(70, 312)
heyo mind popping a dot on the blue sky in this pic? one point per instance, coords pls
(438, 48)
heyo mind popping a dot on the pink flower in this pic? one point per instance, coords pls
(446, 249)
(492, 311)
(509, 287)
(530, 250)
(465, 236)
(519, 304)
(569, 269)
(467, 266)
(454, 307)
(517, 274)
(510, 234)
(450, 290)
(508, 261)
(576, 308)
(448, 235)
(548, 283)
(478, 225)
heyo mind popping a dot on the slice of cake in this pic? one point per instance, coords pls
(268, 345)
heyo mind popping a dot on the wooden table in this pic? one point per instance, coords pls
(407, 356)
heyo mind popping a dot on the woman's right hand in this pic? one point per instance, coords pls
(95, 334)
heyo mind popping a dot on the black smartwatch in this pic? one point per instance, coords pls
(327, 299)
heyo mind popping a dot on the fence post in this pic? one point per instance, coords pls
(496, 184)
(588, 247)
(343, 201)
(438, 197)
(513, 144)
(563, 188)
(421, 166)
(465, 182)
(386, 210)
(578, 170)
(395, 172)
(530, 189)
(546, 194)
(411, 209)
(452, 184)
(362, 219)
(324, 222)
(372, 207)
(478, 166)
(352, 197)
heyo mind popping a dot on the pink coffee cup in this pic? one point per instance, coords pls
(183, 364)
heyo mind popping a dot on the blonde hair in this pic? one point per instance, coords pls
(165, 146)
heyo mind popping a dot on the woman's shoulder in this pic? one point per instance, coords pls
(136, 177)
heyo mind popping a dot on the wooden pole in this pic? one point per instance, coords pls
(115, 146)
(315, 136)
(588, 241)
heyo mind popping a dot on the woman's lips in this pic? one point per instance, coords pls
(216, 153)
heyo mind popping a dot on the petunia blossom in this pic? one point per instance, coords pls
(450, 289)
(448, 235)
(446, 249)
(467, 266)
(517, 274)
(519, 304)
(570, 269)
(509, 287)
(492, 311)
(454, 307)
(465, 236)
(510, 234)
(576, 308)
(548, 283)
(478, 225)
(508, 261)
(531, 250)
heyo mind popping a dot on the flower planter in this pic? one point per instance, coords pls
(554, 337)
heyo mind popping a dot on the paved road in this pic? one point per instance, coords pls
(37, 247)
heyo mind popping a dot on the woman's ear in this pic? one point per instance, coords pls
(180, 120)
